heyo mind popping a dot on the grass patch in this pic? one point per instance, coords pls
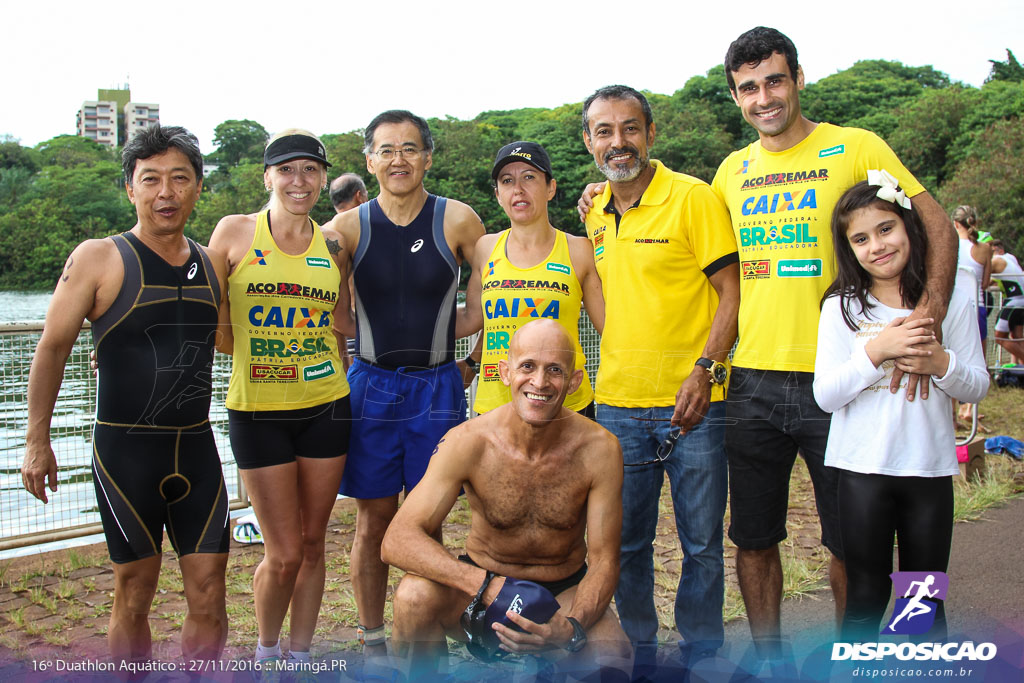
(177, 618)
(244, 559)
(65, 590)
(460, 513)
(9, 642)
(77, 560)
(3, 572)
(244, 628)
(170, 580)
(74, 613)
(733, 608)
(345, 516)
(972, 498)
(800, 576)
(57, 639)
(39, 596)
(17, 617)
(238, 583)
(337, 565)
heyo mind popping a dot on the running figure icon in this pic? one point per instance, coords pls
(914, 606)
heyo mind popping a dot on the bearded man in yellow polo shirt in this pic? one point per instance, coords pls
(666, 254)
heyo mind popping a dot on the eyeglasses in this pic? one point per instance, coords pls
(664, 448)
(389, 153)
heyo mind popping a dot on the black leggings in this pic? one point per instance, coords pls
(872, 509)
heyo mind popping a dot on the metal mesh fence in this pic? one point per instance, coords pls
(72, 509)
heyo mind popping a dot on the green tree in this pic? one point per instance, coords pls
(242, 192)
(345, 152)
(991, 178)
(713, 90)
(461, 169)
(238, 141)
(926, 128)
(1010, 70)
(689, 138)
(14, 183)
(68, 151)
(64, 206)
(865, 95)
(997, 100)
(560, 131)
(13, 155)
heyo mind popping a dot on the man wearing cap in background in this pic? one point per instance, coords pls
(347, 192)
(668, 265)
(538, 478)
(406, 247)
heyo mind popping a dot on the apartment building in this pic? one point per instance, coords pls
(97, 120)
(139, 115)
(112, 118)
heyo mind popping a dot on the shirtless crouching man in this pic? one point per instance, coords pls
(537, 477)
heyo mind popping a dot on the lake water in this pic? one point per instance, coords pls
(23, 306)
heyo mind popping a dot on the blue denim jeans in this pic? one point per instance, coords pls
(698, 477)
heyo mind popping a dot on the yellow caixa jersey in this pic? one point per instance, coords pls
(654, 264)
(282, 314)
(781, 209)
(514, 296)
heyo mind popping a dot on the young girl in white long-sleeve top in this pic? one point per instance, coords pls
(896, 457)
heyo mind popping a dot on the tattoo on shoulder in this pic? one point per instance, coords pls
(67, 267)
(333, 246)
(437, 447)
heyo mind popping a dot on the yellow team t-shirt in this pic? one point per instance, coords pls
(659, 303)
(512, 297)
(781, 208)
(282, 314)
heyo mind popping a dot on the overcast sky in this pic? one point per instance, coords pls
(330, 67)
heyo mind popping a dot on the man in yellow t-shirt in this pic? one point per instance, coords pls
(780, 192)
(668, 265)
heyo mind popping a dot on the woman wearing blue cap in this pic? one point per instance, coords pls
(288, 405)
(529, 270)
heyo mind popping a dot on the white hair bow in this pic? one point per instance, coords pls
(888, 188)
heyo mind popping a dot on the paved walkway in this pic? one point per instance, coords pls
(985, 604)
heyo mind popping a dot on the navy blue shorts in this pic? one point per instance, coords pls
(398, 416)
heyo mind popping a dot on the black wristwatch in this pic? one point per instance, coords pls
(719, 372)
(473, 365)
(579, 636)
